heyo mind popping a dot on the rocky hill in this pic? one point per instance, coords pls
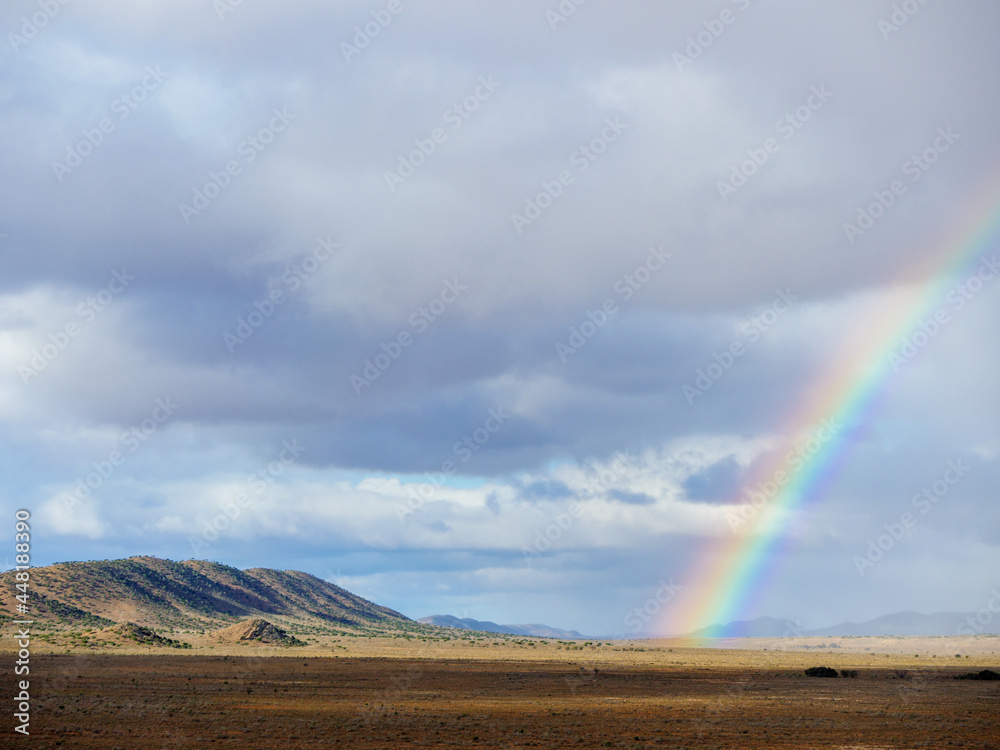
(257, 630)
(193, 594)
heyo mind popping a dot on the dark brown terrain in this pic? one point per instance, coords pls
(123, 701)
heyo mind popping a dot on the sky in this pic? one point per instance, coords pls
(496, 309)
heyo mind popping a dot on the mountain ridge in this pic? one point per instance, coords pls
(905, 623)
(534, 630)
(154, 592)
(203, 595)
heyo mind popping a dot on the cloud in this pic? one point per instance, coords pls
(638, 266)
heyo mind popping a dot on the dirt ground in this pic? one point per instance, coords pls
(663, 699)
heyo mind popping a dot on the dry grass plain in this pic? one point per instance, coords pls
(341, 692)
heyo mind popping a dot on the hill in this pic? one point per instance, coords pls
(896, 624)
(256, 630)
(193, 594)
(485, 626)
(913, 624)
(131, 632)
(761, 627)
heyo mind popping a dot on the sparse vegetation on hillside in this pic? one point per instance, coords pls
(132, 632)
(193, 595)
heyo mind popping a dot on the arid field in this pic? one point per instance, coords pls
(477, 692)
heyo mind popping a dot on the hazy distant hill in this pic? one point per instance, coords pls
(193, 593)
(898, 623)
(467, 623)
(912, 623)
(762, 627)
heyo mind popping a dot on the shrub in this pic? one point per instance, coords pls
(986, 674)
(821, 672)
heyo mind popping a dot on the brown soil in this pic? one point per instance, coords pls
(189, 701)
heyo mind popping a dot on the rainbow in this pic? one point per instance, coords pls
(733, 569)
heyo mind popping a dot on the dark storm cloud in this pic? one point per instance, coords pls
(317, 214)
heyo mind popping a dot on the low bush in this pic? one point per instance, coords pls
(821, 672)
(986, 674)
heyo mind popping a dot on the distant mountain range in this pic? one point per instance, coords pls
(467, 623)
(197, 594)
(762, 627)
(898, 623)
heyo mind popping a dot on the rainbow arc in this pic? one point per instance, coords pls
(734, 568)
